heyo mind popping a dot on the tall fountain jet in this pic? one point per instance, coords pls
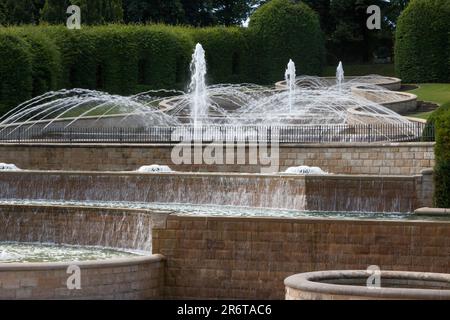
(290, 76)
(339, 75)
(197, 87)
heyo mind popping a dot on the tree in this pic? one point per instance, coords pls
(422, 42)
(54, 11)
(198, 12)
(2, 13)
(92, 11)
(17, 12)
(142, 11)
(285, 30)
(231, 12)
(100, 11)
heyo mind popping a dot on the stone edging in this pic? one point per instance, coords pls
(95, 264)
(310, 282)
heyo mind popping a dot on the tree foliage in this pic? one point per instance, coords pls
(286, 30)
(422, 42)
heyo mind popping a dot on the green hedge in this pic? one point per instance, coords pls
(285, 30)
(441, 120)
(422, 49)
(15, 70)
(227, 53)
(45, 60)
(127, 59)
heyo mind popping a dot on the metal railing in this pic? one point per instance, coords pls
(223, 133)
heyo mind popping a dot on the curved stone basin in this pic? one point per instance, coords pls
(133, 277)
(389, 83)
(351, 285)
(400, 102)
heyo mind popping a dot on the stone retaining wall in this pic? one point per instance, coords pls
(124, 279)
(139, 277)
(353, 193)
(358, 158)
(249, 258)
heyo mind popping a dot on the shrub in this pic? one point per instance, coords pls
(45, 60)
(441, 118)
(163, 55)
(92, 11)
(227, 54)
(15, 70)
(422, 42)
(286, 30)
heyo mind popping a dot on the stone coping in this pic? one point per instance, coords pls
(432, 212)
(213, 174)
(173, 214)
(311, 220)
(382, 80)
(159, 221)
(311, 282)
(95, 264)
(171, 145)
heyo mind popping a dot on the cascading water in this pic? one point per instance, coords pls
(290, 77)
(340, 76)
(197, 88)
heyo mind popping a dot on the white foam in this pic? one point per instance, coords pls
(155, 168)
(8, 167)
(305, 170)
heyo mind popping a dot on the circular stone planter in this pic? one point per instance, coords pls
(351, 285)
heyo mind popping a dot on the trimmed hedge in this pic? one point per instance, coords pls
(228, 54)
(45, 60)
(15, 70)
(422, 49)
(441, 120)
(285, 30)
(127, 59)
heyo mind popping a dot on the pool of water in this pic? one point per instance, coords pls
(220, 210)
(12, 252)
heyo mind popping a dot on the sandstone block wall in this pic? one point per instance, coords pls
(241, 258)
(384, 159)
(135, 280)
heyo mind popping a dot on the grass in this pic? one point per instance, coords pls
(421, 115)
(438, 93)
(362, 70)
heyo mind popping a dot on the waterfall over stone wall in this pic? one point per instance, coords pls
(315, 193)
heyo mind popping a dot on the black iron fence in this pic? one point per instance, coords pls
(223, 133)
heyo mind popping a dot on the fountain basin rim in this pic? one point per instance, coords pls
(312, 220)
(432, 211)
(310, 282)
(402, 96)
(389, 81)
(206, 174)
(161, 222)
(95, 264)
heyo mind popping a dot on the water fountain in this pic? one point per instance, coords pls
(115, 211)
(308, 101)
(290, 77)
(8, 167)
(340, 75)
(155, 168)
(305, 170)
(198, 88)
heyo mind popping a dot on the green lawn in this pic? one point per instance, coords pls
(433, 92)
(362, 70)
(438, 93)
(421, 115)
